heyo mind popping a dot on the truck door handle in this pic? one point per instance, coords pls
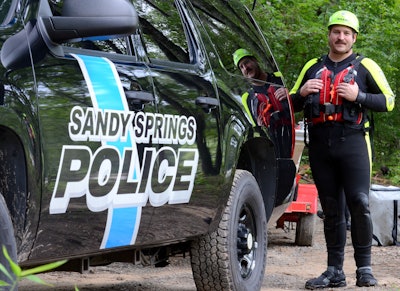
(137, 99)
(207, 103)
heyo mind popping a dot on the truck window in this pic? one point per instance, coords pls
(228, 36)
(162, 31)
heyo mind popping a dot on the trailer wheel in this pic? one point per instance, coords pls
(305, 229)
(7, 239)
(233, 257)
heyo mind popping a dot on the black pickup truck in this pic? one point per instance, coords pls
(123, 138)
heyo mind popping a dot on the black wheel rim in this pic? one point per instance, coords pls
(246, 241)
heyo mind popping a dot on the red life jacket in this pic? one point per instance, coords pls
(267, 105)
(330, 104)
(278, 117)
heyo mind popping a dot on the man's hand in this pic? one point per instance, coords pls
(281, 94)
(348, 91)
(310, 87)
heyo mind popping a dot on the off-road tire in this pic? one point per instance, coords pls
(233, 257)
(7, 239)
(305, 230)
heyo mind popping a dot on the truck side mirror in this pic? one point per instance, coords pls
(79, 19)
(91, 18)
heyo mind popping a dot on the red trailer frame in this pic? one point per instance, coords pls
(302, 211)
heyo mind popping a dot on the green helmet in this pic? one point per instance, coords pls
(240, 54)
(345, 18)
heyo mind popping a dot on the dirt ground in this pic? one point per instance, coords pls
(288, 267)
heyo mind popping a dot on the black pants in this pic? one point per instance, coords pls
(340, 160)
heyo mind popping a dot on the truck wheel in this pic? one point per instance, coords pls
(7, 239)
(305, 230)
(233, 256)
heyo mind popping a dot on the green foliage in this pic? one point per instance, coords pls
(297, 32)
(25, 274)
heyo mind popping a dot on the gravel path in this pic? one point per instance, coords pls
(288, 267)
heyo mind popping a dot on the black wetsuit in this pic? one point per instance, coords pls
(340, 159)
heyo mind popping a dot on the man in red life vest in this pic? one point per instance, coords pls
(267, 101)
(335, 92)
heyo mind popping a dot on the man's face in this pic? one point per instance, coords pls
(341, 39)
(249, 67)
